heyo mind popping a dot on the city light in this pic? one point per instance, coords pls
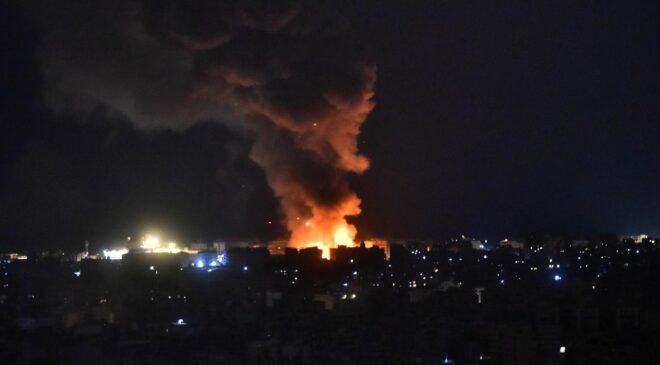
(152, 244)
(361, 278)
(114, 254)
(446, 360)
(149, 244)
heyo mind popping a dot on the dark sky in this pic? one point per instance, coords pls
(492, 118)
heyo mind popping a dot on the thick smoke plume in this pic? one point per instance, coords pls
(291, 71)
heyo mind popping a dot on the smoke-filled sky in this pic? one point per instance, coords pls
(210, 119)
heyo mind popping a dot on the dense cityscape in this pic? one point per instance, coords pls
(540, 299)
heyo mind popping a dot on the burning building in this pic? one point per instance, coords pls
(292, 72)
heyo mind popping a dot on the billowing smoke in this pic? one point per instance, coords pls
(291, 71)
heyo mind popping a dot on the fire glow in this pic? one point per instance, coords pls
(325, 238)
(326, 228)
(307, 159)
(298, 78)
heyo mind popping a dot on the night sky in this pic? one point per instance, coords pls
(491, 119)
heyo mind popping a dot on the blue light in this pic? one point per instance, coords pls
(557, 277)
(200, 263)
(214, 263)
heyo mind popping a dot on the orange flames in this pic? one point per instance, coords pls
(326, 228)
(308, 168)
(299, 78)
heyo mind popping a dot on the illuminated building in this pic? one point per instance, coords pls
(635, 238)
(114, 254)
(477, 245)
(516, 245)
(17, 256)
(150, 244)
